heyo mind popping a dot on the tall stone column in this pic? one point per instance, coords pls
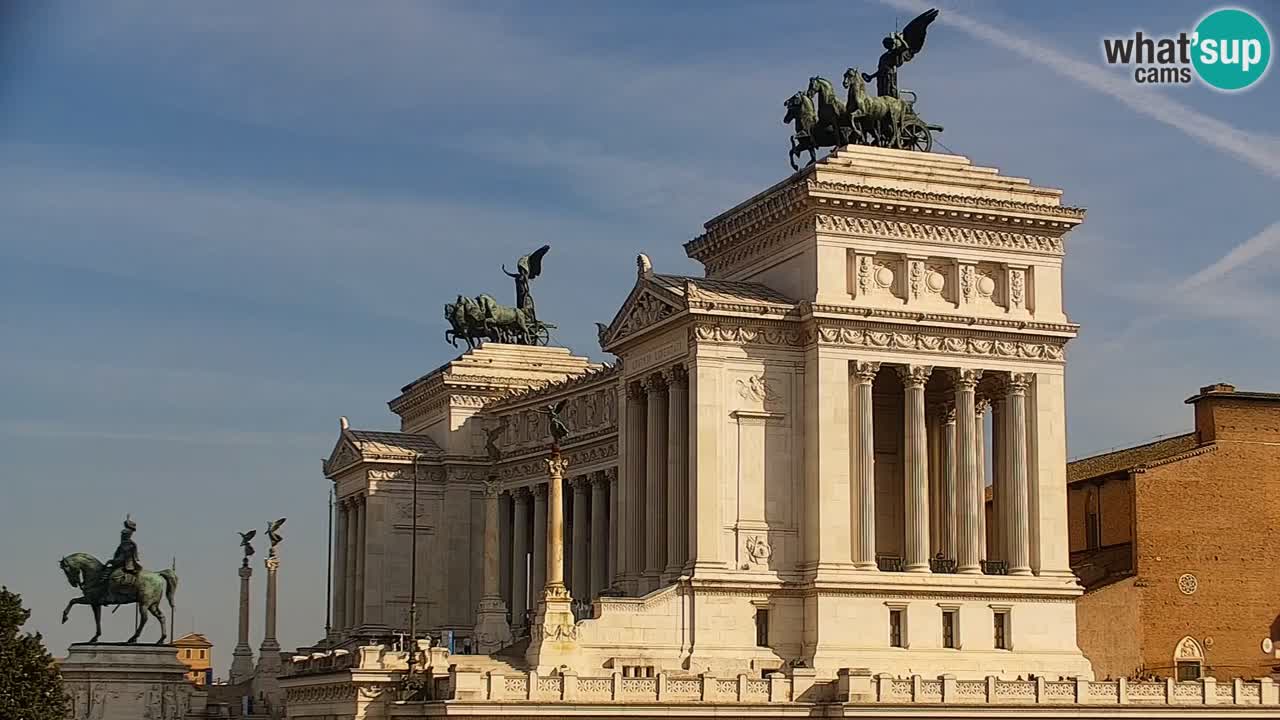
(632, 508)
(599, 573)
(492, 631)
(242, 657)
(916, 491)
(967, 471)
(1018, 512)
(269, 663)
(980, 407)
(677, 472)
(613, 551)
(656, 482)
(361, 533)
(864, 464)
(581, 537)
(997, 546)
(521, 499)
(339, 570)
(950, 483)
(554, 635)
(349, 563)
(934, 427)
(538, 565)
(505, 518)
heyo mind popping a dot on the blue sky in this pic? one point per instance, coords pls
(225, 224)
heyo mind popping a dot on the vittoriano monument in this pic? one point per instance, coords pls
(887, 120)
(481, 318)
(120, 581)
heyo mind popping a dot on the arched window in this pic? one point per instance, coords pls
(1188, 659)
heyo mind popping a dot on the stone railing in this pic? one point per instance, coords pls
(852, 686)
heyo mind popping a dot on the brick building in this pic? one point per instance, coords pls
(1178, 545)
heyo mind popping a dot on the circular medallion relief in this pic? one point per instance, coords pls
(935, 281)
(986, 285)
(884, 276)
(1188, 584)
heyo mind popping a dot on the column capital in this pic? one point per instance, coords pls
(676, 375)
(914, 376)
(520, 494)
(556, 465)
(600, 478)
(492, 487)
(1018, 383)
(981, 405)
(635, 390)
(865, 371)
(581, 483)
(947, 414)
(655, 383)
(539, 491)
(967, 378)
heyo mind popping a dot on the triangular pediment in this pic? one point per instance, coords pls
(344, 455)
(648, 304)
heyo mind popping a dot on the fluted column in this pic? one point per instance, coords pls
(554, 587)
(269, 642)
(504, 547)
(491, 551)
(520, 555)
(949, 478)
(966, 472)
(632, 505)
(349, 565)
(339, 568)
(361, 534)
(997, 548)
(864, 464)
(1019, 514)
(581, 534)
(599, 575)
(538, 567)
(916, 492)
(656, 481)
(613, 554)
(677, 472)
(980, 407)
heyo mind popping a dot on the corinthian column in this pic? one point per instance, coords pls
(520, 557)
(599, 573)
(1018, 513)
(631, 508)
(581, 531)
(538, 566)
(916, 491)
(980, 407)
(677, 472)
(613, 548)
(491, 631)
(949, 477)
(864, 464)
(361, 533)
(349, 554)
(656, 482)
(967, 471)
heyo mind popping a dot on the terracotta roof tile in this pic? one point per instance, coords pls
(390, 444)
(723, 290)
(1128, 458)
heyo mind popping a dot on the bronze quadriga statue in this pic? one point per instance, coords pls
(483, 318)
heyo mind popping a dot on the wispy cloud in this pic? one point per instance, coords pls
(1247, 251)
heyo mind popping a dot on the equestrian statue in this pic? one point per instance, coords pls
(120, 581)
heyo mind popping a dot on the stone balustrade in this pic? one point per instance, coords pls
(852, 686)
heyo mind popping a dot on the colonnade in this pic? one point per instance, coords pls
(348, 562)
(944, 476)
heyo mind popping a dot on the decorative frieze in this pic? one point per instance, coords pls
(938, 233)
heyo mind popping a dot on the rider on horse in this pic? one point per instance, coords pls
(125, 559)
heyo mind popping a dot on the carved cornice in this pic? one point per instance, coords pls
(941, 341)
(949, 234)
(740, 334)
(978, 202)
(967, 320)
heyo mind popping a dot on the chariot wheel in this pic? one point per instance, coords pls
(541, 335)
(915, 136)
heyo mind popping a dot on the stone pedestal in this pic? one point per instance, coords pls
(129, 682)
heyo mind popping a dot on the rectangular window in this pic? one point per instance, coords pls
(1188, 670)
(201, 654)
(895, 629)
(1002, 629)
(949, 627)
(1092, 531)
(762, 628)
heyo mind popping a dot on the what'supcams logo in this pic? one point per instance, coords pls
(1229, 50)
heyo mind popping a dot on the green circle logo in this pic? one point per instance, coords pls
(1231, 49)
